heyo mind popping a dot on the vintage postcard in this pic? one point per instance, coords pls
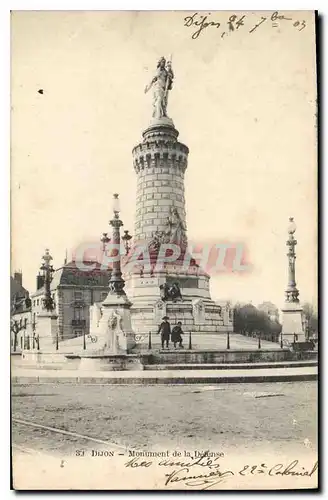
(164, 319)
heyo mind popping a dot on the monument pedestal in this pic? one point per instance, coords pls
(292, 323)
(109, 362)
(44, 351)
(47, 330)
(116, 338)
(115, 324)
(197, 312)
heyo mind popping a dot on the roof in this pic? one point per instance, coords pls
(17, 289)
(86, 274)
(20, 308)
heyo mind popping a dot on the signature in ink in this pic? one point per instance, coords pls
(206, 480)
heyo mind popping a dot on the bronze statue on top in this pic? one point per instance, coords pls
(161, 84)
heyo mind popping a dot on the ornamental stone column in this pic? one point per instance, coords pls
(46, 327)
(115, 329)
(292, 324)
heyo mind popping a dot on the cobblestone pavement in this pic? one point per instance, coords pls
(273, 415)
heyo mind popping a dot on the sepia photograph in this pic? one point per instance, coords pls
(164, 328)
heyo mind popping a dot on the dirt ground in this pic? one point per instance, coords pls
(276, 416)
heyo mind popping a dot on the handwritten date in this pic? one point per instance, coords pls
(200, 23)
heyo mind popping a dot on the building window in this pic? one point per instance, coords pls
(78, 313)
(37, 302)
(78, 295)
(34, 302)
(77, 333)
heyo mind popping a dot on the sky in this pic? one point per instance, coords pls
(244, 104)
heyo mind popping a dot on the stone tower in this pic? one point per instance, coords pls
(160, 162)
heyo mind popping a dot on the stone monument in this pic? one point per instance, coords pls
(179, 288)
(46, 332)
(45, 338)
(114, 323)
(292, 312)
(111, 320)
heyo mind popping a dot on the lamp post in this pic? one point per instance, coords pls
(116, 282)
(292, 317)
(126, 238)
(47, 270)
(104, 239)
(292, 292)
(116, 306)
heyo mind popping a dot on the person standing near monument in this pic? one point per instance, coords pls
(165, 331)
(176, 335)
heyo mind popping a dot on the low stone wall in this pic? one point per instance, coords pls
(138, 361)
(106, 362)
(227, 356)
(42, 358)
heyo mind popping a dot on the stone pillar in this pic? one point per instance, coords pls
(292, 323)
(160, 162)
(46, 329)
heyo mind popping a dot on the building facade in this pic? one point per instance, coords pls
(21, 315)
(73, 290)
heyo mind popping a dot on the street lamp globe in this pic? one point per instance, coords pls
(291, 226)
(116, 203)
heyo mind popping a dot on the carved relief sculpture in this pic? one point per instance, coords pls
(198, 311)
(176, 232)
(159, 310)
